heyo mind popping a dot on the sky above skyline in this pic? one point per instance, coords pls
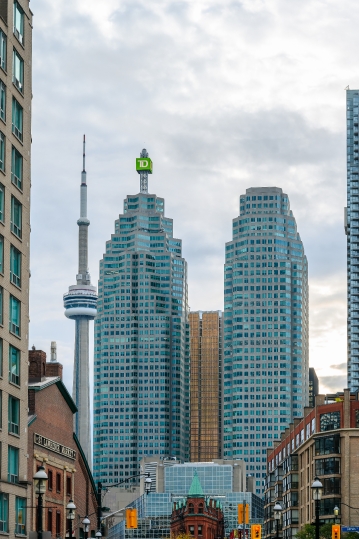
(225, 95)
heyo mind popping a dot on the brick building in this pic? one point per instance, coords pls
(197, 515)
(324, 443)
(53, 444)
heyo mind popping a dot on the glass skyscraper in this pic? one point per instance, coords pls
(141, 388)
(352, 231)
(265, 347)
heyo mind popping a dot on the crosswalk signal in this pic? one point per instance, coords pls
(131, 518)
(256, 531)
(335, 531)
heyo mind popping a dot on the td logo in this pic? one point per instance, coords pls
(144, 164)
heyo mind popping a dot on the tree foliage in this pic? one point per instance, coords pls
(308, 532)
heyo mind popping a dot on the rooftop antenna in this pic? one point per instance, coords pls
(144, 168)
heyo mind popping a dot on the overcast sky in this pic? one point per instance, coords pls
(224, 95)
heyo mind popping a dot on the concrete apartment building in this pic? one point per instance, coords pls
(265, 343)
(15, 182)
(351, 225)
(325, 444)
(206, 385)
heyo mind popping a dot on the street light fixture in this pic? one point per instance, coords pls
(40, 479)
(98, 534)
(70, 508)
(86, 524)
(277, 510)
(317, 496)
(148, 483)
(336, 513)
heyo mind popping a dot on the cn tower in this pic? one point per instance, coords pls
(81, 305)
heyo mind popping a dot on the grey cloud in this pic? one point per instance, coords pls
(332, 384)
(340, 366)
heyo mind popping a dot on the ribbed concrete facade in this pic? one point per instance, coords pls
(15, 183)
(265, 348)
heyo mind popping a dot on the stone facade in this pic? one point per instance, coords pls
(53, 444)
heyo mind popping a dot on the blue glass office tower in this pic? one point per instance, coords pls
(352, 231)
(265, 327)
(141, 388)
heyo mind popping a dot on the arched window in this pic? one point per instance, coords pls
(190, 508)
(200, 508)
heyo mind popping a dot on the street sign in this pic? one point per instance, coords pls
(350, 529)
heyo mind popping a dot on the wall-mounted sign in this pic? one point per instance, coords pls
(54, 446)
(144, 164)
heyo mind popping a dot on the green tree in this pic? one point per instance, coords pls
(308, 532)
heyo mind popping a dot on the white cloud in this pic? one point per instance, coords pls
(225, 95)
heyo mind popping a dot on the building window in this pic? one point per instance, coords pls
(327, 466)
(14, 365)
(191, 530)
(1, 305)
(331, 485)
(329, 421)
(49, 520)
(16, 217)
(14, 315)
(2, 202)
(4, 512)
(357, 418)
(15, 266)
(3, 50)
(13, 464)
(191, 508)
(68, 486)
(199, 530)
(326, 506)
(58, 482)
(18, 70)
(327, 445)
(0, 412)
(200, 508)
(50, 479)
(16, 167)
(2, 101)
(14, 415)
(17, 118)
(58, 523)
(2, 151)
(18, 23)
(20, 516)
(1, 357)
(1, 254)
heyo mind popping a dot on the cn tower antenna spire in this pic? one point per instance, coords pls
(81, 305)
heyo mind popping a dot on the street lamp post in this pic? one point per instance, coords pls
(317, 496)
(40, 479)
(70, 508)
(336, 513)
(86, 524)
(277, 510)
(100, 486)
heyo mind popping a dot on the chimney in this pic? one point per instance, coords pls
(53, 368)
(53, 351)
(37, 365)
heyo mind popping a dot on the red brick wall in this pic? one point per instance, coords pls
(55, 421)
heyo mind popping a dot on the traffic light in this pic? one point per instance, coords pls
(240, 513)
(131, 518)
(256, 531)
(335, 531)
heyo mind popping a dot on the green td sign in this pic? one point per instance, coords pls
(144, 164)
